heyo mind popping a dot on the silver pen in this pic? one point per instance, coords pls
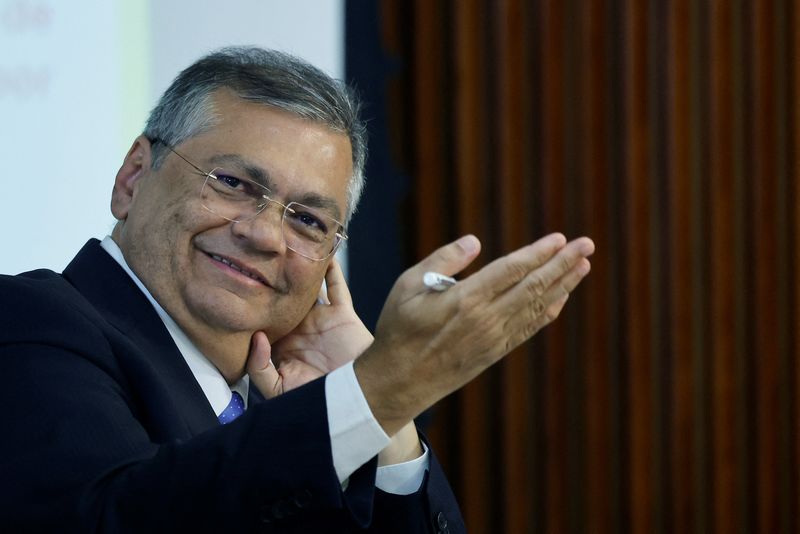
(438, 281)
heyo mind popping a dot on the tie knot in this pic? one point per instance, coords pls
(234, 409)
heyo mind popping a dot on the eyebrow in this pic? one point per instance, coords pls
(261, 176)
(255, 173)
(312, 200)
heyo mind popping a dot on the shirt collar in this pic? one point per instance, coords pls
(207, 375)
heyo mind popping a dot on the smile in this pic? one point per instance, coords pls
(237, 268)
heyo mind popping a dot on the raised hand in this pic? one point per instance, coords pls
(429, 344)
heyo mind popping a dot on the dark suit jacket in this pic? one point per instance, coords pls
(105, 428)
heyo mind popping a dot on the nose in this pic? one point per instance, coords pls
(264, 231)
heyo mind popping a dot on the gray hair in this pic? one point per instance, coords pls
(266, 77)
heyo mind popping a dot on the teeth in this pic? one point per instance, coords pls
(236, 267)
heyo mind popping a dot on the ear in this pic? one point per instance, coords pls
(135, 166)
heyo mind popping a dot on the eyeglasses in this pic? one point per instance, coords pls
(306, 231)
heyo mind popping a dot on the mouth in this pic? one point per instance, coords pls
(242, 269)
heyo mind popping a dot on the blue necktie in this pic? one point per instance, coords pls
(234, 409)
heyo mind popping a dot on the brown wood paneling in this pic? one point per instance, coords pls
(469, 127)
(766, 320)
(595, 184)
(510, 104)
(722, 277)
(427, 60)
(552, 205)
(638, 323)
(794, 161)
(681, 207)
(666, 397)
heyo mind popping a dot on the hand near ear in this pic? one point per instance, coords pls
(329, 336)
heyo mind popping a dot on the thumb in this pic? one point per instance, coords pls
(451, 258)
(260, 368)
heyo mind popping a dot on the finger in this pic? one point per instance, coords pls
(322, 296)
(449, 259)
(539, 311)
(535, 267)
(509, 270)
(338, 293)
(260, 368)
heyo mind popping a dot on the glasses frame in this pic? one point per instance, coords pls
(339, 236)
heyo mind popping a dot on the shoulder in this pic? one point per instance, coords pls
(41, 306)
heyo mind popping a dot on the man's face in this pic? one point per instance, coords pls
(175, 245)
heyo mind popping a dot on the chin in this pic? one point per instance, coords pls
(230, 317)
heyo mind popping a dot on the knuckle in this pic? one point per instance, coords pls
(565, 264)
(552, 314)
(538, 307)
(516, 271)
(405, 282)
(535, 312)
(537, 286)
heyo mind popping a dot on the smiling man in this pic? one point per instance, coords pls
(188, 373)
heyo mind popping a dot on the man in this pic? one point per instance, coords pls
(125, 378)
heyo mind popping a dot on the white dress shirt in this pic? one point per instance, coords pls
(356, 436)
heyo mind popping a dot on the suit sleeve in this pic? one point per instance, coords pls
(81, 454)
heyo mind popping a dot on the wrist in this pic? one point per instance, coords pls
(404, 447)
(387, 392)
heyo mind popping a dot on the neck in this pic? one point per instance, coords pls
(227, 351)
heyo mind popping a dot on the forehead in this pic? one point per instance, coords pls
(297, 157)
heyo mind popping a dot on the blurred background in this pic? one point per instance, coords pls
(665, 399)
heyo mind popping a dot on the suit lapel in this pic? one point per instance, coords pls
(108, 287)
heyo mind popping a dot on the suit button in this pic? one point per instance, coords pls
(279, 509)
(302, 498)
(265, 514)
(441, 520)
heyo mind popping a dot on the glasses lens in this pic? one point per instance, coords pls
(233, 198)
(309, 231)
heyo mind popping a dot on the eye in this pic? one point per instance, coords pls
(309, 220)
(230, 181)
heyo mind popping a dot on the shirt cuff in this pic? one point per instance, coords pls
(405, 478)
(356, 436)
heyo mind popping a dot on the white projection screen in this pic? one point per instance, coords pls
(77, 79)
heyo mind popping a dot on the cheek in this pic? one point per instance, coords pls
(304, 290)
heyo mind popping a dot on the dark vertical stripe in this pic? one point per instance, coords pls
(509, 102)
(681, 205)
(616, 319)
(658, 225)
(534, 151)
(741, 256)
(783, 482)
(723, 289)
(481, 493)
(594, 144)
(700, 238)
(765, 260)
(637, 140)
(553, 176)
(794, 120)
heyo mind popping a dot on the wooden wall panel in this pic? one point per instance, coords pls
(681, 204)
(667, 396)
(595, 182)
(722, 242)
(509, 46)
(470, 169)
(763, 193)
